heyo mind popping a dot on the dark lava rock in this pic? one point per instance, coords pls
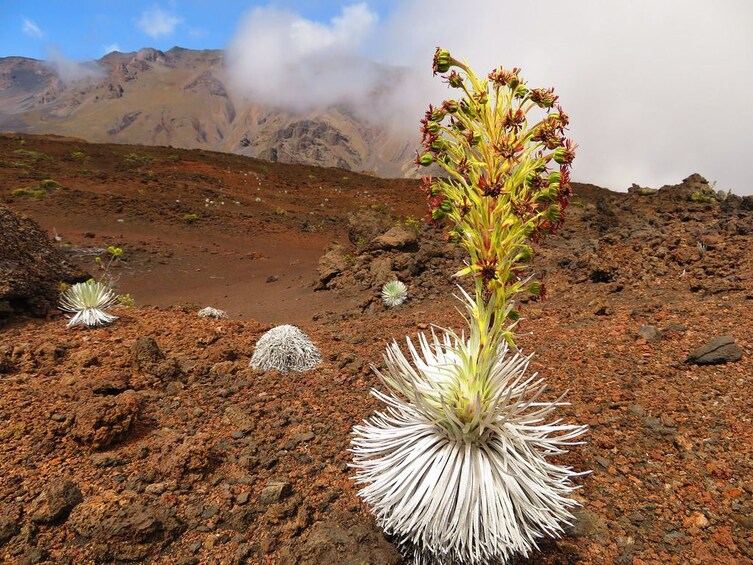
(31, 268)
(145, 353)
(9, 527)
(343, 534)
(185, 459)
(146, 356)
(102, 421)
(123, 527)
(719, 350)
(55, 504)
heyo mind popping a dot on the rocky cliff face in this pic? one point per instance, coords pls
(31, 269)
(181, 98)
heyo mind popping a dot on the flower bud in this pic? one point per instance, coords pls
(520, 91)
(564, 155)
(455, 80)
(438, 114)
(440, 144)
(426, 159)
(450, 106)
(442, 60)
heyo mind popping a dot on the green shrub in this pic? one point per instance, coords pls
(35, 155)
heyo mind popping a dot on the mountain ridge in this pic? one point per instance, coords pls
(183, 98)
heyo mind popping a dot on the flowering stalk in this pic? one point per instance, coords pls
(457, 468)
(508, 162)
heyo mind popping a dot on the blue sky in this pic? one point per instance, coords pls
(655, 89)
(87, 29)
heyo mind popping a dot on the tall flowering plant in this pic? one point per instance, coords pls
(457, 466)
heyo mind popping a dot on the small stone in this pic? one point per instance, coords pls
(636, 409)
(242, 498)
(210, 540)
(275, 491)
(603, 461)
(719, 350)
(649, 333)
(272, 278)
(195, 546)
(696, 521)
(104, 460)
(293, 442)
(155, 488)
(683, 443)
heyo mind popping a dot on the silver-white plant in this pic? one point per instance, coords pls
(285, 348)
(457, 467)
(394, 293)
(210, 312)
(88, 301)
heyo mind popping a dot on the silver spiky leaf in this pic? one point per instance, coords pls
(285, 348)
(88, 301)
(457, 468)
(394, 293)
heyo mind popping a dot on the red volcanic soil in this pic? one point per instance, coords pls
(153, 441)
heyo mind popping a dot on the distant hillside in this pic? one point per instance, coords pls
(181, 98)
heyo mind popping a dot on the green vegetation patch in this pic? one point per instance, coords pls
(39, 191)
(34, 155)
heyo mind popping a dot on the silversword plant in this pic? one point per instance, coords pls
(285, 348)
(89, 301)
(458, 466)
(394, 293)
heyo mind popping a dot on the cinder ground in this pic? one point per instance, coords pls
(175, 451)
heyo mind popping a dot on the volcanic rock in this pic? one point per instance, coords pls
(343, 534)
(102, 421)
(54, 504)
(719, 350)
(31, 269)
(123, 526)
(649, 333)
(397, 237)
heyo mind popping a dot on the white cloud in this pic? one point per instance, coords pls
(72, 71)
(655, 90)
(280, 58)
(31, 29)
(157, 23)
(110, 48)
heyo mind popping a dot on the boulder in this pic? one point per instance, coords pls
(102, 421)
(719, 350)
(397, 237)
(55, 503)
(31, 268)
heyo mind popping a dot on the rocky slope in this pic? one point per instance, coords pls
(182, 98)
(153, 441)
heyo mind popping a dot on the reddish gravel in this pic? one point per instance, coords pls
(152, 440)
